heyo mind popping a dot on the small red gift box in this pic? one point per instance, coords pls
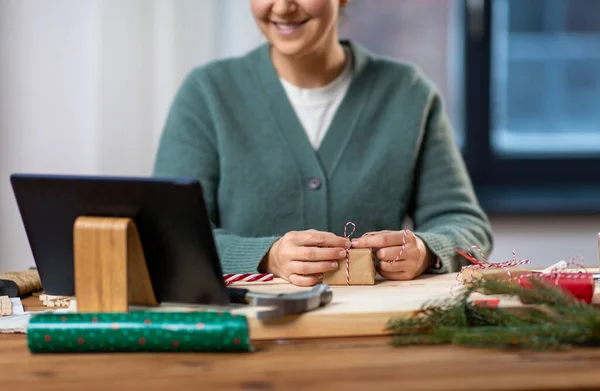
(579, 285)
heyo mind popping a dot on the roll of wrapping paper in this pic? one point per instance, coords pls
(579, 285)
(138, 332)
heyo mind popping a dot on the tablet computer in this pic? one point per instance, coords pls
(170, 215)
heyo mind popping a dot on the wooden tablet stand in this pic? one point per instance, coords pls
(110, 267)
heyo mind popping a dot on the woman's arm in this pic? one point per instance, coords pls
(188, 148)
(444, 208)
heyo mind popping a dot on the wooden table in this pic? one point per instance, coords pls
(367, 363)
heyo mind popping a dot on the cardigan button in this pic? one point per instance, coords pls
(314, 183)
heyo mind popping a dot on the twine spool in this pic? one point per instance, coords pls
(27, 281)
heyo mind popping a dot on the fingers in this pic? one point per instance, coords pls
(404, 269)
(309, 280)
(305, 273)
(389, 254)
(398, 253)
(314, 254)
(384, 239)
(319, 239)
(395, 266)
(303, 267)
(302, 257)
(376, 232)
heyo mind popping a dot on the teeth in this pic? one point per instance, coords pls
(287, 26)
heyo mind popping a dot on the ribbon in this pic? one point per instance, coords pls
(401, 246)
(247, 277)
(579, 284)
(559, 267)
(558, 270)
(478, 265)
(347, 236)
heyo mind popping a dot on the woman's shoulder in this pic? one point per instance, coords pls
(388, 72)
(222, 71)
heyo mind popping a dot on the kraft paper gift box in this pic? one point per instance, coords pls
(362, 269)
(493, 273)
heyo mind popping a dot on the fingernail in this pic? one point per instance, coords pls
(334, 265)
(342, 254)
(348, 244)
(355, 243)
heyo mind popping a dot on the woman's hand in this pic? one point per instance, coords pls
(403, 255)
(302, 257)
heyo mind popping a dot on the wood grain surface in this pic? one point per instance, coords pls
(367, 363)
(110, 269)
(357, 363)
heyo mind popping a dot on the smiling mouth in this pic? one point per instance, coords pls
(289, 27)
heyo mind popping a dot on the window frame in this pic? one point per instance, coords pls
(507, 184)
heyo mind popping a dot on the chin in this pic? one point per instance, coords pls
(288, 50)
(294, 48)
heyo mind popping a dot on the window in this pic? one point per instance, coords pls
(545, 77)
(532, 136)
(521, 83)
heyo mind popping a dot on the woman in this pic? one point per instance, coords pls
(307, 132)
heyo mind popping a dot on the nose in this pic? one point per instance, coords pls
(282, 7)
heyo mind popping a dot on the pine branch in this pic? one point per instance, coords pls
(539, 292)
(556, 321)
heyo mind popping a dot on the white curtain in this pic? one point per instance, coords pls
(85, 85)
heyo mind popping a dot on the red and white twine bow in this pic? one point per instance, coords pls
(558, 271)
(477, 265)
(347, 236)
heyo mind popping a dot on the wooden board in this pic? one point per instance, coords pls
(354, 310)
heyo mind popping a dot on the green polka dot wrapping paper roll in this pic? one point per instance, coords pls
(138, 332)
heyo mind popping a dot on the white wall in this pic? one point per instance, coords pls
(85, 86)
(546, 240)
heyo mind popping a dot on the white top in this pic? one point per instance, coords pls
(316, 107)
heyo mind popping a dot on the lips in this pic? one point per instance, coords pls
(287, 28)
